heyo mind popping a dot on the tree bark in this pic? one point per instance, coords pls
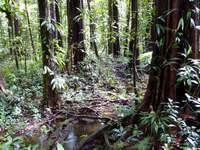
(93, 44)
(50, 96)
(162, 79)
(110, 29)
(116, 44)
(76, 47)
(195, 33)
(192, 35)
(29, 28)
(58, 20)
(113, 32)
(127, 28)
(133, 45)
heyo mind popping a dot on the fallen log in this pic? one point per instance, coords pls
(100, 134)
(96, 135)
(106, 119)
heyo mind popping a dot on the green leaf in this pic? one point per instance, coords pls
(59, 147)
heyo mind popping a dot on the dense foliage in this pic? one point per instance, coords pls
(99, 74)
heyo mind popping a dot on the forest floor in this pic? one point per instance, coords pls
(85, 109)
(89, 101)
(93, 102)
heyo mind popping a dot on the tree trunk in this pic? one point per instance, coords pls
(128, 15)
(29, 28)
(116, 44)
(133, 45)
(162, 79)
(76, 47)
(14, 33)
(113, 21)
(195, 33)
(110, 29)
(149, 28)
(192, 35)
(50, 96)
(196, 44)
(59, 36)
(16, 27)
(93, 45)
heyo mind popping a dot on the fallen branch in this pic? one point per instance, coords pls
(99, 134)
(88, 117)
(92, 137)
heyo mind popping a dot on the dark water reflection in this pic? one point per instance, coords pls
(78, 132)
(69, 136)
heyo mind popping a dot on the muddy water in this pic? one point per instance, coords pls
(69, 136)
(80, 131)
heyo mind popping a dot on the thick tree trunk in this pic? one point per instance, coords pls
(196, 44)
(50, 96)
(162, 79)
(76, 47)
(192, 35)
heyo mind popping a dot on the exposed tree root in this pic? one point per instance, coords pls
(100, 134)
(96, 135)
(107, 142)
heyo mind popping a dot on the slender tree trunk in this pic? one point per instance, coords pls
(16, 27)
(50, 95)
(133, 45)
(128, 15)
(116, 44)
(195, 33)
(93, 44)
(149, 28)
(113, 21)
(29, 28)
(76, 47)
(110, 24)
(58, 20)
(14, 33)
(10, 31)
